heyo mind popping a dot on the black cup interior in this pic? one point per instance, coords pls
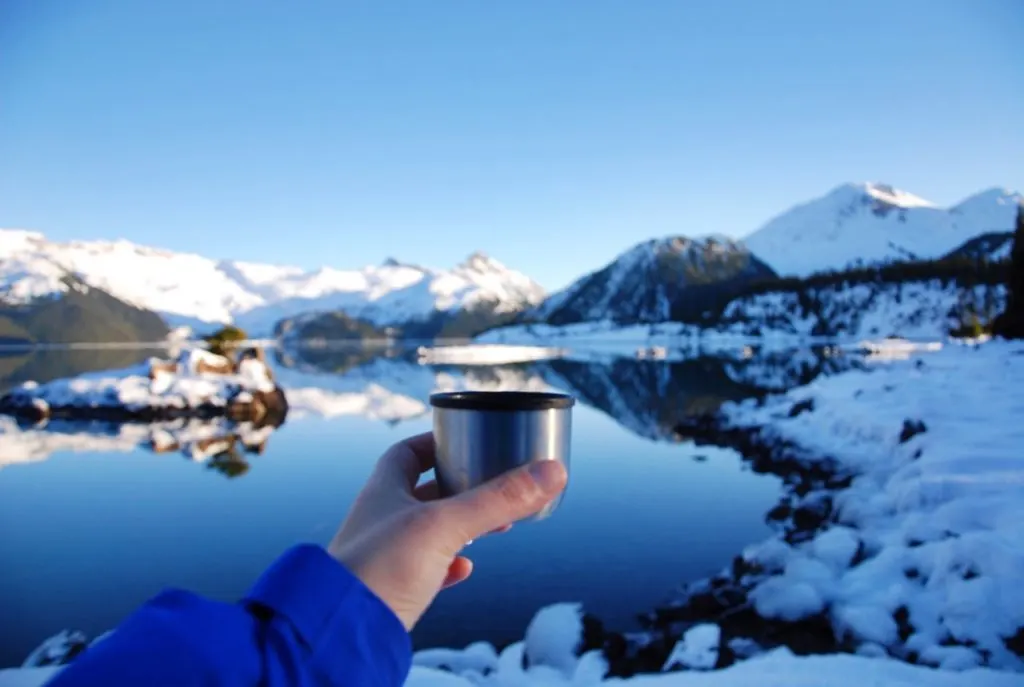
(501, 400)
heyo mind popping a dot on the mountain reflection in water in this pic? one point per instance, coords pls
(647, 397)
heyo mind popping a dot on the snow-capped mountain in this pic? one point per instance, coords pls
(186, 287)
(672, 278)
(872, 223)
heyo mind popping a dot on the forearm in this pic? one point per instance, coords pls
(306, 622)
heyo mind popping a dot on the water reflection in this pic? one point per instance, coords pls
(647, 397)
(223, 445)
(18, 365)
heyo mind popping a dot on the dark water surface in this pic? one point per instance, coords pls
(93, 521)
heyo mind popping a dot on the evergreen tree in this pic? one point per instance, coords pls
(225, 340)
(1011, 323)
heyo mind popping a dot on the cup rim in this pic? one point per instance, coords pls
(502, 400)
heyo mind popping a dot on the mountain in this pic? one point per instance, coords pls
(187, 288)
(76, 313)
(674, 278)
(859, 224)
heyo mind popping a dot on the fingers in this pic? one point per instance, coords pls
(428, 491)
(459, 571)
(401, 465)
(505, 499)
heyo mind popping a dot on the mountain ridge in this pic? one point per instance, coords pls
(852, 225)
(670, 278)
(255, 295)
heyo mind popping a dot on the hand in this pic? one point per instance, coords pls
(403, 541)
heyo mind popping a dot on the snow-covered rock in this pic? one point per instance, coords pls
(869, 223)
(197, 382)
(553, 637)
(190, 289)
(697, 650)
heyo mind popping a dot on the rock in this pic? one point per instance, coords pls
(698, 649)
(800, 407)
(812, 513)
(911, 428)
(780, 511)
(1016, 642)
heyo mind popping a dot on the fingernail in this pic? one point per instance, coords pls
(549, 474)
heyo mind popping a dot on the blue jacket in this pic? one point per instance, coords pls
(307, 621)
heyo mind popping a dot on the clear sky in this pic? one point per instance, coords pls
(552, 135)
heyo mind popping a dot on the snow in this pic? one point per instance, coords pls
(494, 354)
(254, 295)
(553, 636)
(896, 349)
(27, 677)
(776, 669)
(697, 650)
(54, 648)
(868, 223)
(787, 598)
(937, 512)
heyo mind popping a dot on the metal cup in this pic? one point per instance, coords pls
(482, 434)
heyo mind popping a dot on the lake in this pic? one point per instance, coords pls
(95, 519)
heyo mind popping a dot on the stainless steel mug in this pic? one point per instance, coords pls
(482, 434)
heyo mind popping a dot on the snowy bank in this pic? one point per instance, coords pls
(551, 655)
(895, 349)
(901, 532)
(494, 354)
(198, 384)
(777, 669)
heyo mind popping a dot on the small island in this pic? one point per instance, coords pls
(196, 383)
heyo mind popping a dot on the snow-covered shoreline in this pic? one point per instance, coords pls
(549, 656)
(485, 354)
(901, 529)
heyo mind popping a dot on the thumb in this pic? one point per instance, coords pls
(503, 500)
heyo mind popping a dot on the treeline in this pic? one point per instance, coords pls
(964, 272)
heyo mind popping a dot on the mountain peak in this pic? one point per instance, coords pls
(997, 195)
(871, 223)
(481, 261)
(878, 192)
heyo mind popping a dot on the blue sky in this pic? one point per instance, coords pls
(552, 135)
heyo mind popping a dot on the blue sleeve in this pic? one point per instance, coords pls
(307, 621)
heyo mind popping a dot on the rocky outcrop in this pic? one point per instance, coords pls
(198, 384)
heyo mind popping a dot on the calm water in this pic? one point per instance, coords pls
(93, 521)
